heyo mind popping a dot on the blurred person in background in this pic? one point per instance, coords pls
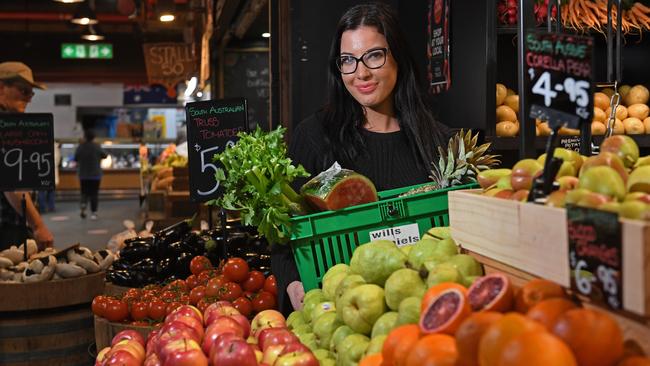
(88, 157)
(46, 199)
(16, 91)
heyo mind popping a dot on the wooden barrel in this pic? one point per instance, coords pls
(49, 337)
(105, 331)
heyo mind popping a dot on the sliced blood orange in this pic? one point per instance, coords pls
(445, 312)
(436, 290)
(492, 292)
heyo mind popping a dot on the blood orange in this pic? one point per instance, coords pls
(536, 349)
(372, 360)
(469, 334)
(433, 350)
(497, 335)
(436, 290)
(491, 292)
(535, 291)
(548, 311)
(445, 312)
(635, 361)
(399, 343)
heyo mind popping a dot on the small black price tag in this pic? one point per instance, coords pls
(211, 126)
(560, 83)
(26, 151)
(595, 255)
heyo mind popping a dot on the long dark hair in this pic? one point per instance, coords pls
(343, 116)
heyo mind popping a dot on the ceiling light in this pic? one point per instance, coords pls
(91, 34)
(165, 10)
(167, 17)
(266, 35)
(199, 94)
(69, 1)
(84, 15)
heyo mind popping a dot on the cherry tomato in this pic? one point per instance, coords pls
(184, 299)
(116, 311)
(140, 323)
(197, 294)
(243, 305)
(172, 306)
(168, 296)
(139, 310)
(99, 305)
(157, 309)
(249, 295)
(203, 278)
(263, 301)
(235, 270)
(199, 264)
(270, 285)
(230, 292)
(176, 286)
(254, 282)
(133, 292)
(214, 284)
(192, 281)
(129, 299)
(202, 305)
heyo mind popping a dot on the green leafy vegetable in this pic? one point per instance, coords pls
(256, 183)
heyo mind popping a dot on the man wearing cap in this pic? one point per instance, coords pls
(16, 91)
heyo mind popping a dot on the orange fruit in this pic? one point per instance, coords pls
(469, 334)
(536, 348)
(635, 361)
(372, 360)
(445, 312)
(491, 292)
(434, 291)
(433, 350)
(594, 337)
(548, 311)
(535, 291)
(398, 344)
(498, 334)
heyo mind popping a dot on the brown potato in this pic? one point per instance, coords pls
(608, 91)
(501, 93)
(512, 101)
(640, 111)
(507, 129)
(505, 113)
(597, 128)
(619, 128)
(637, 94)
(646, 125)
(601, 100)
(621, 112)
(633, 126)
(544, 129)
(599, 115)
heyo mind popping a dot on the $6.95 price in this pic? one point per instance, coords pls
(16, 158)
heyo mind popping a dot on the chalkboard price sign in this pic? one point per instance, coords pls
(26, 151)
(596, 254)
(211, 126)
(560, 87)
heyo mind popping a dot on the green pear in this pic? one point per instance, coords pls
(295, 319)
(467, 265)
(439, 233)
(302, 329)
(336, 269)
(352, 350)
(376, 344)
(406, 249)
(443, 272)
(321, 354)
(339, 334)
(361, 306)
(603, 180)
(376, 261)
(322, 308)
(401, 284)
(347, 283)
(331, 283)
(384, 324)
(487, 178)
(639, 180)
(309, 303)
(409, 311)
(324, 327)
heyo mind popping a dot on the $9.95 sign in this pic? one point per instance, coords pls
(26, 151)
(212, 126)
(560, 73)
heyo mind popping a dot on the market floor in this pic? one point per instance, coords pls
(69, 228)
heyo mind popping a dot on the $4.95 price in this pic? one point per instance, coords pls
(16, 158)
(577, 90)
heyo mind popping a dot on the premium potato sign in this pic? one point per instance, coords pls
(169, 63)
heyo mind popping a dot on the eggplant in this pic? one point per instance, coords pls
(136, 251)
(120, 277)
(164, 268)
(120, 264)
(142, 279)
(147, 265)
(182, 265)
(147, 240)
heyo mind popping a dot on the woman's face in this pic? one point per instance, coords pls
(372, 88)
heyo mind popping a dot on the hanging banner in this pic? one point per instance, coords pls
(438, 45)
(169, 63)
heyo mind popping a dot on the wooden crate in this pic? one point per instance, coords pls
(533, 238)
(105, 331)
(181, 184)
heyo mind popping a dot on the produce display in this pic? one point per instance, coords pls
(381, 288)
(218, 335)
(50, 264)
(631, 115)
(583, 15)
(250, 292)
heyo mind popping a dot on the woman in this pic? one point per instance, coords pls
(376, 121)
(89, 156)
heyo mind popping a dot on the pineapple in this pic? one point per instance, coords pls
(462, 161)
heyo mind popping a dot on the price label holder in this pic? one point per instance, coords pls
(559, 90)
(26, 151)
(211, 126)
(596, 255)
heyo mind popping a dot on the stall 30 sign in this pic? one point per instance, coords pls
(560, 71)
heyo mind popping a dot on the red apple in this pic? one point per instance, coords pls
(176, 346)
(272, 336)
(152, 360)
(174, 331)
(196, 324)
(222, 341)
(122, 358)
(101, 356)
(297, 359)
(272, 353)
(211, 315)
(267, 319)
(235, 353)
(128, 334)
(221, 325)
(187, 357)
(185, 310)
(244, 323)
(295, 347)
(130, 346)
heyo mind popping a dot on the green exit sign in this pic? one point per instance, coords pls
(85, 50)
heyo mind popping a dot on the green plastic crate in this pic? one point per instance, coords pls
(324, 239)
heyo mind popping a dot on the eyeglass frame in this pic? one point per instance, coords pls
(357, 59)
(25, 89)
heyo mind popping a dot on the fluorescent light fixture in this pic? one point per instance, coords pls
(167, 17)
(165, 10)
(91, 34)
(266, 35)
(69, 1)
(191, 86)
(84, 15)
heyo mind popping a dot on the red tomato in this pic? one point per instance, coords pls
(263, 301)
(235, 270)
(192, 281)
(116, 310)
(243, 305)
(214, 284)
(202, 305)
(99, 305)
(199, 264)
(270, 285)
(203, 278)
(139, 310)
(197, 294)
(184, 299)
(167, 296)
(249, 295)
(157, 309)
(133, 292)
(230, 292)
(254, 282)
(172, 306)
(176, 286)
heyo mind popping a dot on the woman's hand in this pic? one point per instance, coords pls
(43, 237)
(296, 294)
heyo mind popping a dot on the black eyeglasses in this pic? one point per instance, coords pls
(372, 59)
